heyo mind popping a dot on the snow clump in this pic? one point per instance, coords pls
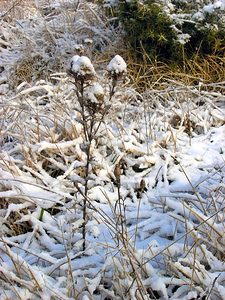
(117, 65)
(183, 38)
(95, 93)
(219, 5)
(81, 66)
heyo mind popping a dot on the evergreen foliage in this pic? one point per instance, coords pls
(172, 34)
(148, 29)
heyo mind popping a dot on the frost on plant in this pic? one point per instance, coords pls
(93, 109)
(94, 96)
(169, 29)
(117, 69)
(117, 66)
(95, 93)
(82, 68)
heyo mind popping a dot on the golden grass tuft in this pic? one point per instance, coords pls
(27, 70)
(148, 74)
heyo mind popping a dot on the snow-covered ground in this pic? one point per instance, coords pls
(157, 232)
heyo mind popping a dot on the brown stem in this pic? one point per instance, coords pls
(89, 138)
(85, 193)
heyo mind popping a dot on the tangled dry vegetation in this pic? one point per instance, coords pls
(207, 70)
(154, 193)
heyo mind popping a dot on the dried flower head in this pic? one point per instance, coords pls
(117, 66)
(95, 93)
(82, 68)
(94, 96)
(142, 185)
(117, 172)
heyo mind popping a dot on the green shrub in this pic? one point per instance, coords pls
(205, 24)
(148, 29)
(172, 33)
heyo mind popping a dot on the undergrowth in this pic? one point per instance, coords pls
(199, 70)
(154, 224)
(166, 40)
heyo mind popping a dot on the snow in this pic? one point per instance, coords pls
(176, 180)
(219, 4)
(208, 8)
(183, 38)
(117, 65)
(95, 93)
(82, 66)
(198, 16)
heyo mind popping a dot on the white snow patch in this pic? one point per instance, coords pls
(95, 93)
(82, 66)
(117, 65)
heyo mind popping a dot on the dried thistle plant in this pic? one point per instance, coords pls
(94, 103)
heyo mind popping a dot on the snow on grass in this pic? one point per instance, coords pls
(50, 34)
(174, 225)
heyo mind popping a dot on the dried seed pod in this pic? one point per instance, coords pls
(117, 172)
(81, 68)
(142, 185)
(117, 66)
(95, 97)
